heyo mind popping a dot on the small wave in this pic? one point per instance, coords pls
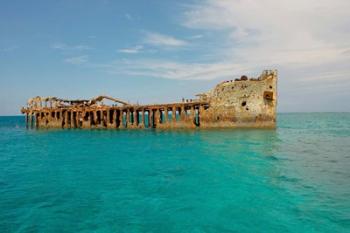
(288, 179)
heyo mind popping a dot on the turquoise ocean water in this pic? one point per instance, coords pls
(293, 179)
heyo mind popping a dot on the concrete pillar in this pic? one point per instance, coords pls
(85, 119)
(136, 117)
(143, 118)
(90, 115)
(65, 119)
(183, 113)
(157, 117)
(104, 116)
(200, 113)
(97, 120)
(75, 119)
(50, 119)
(121, 123)
(68, 120)
(80, 119)
(173, 114)
(201, 109)
(47, 118)
(127, 118)
(193, 114)
(151, 120)
(35, 120)
(108, 118)
(72, 119)
(93, 115)
(114, 123)
(59, 117)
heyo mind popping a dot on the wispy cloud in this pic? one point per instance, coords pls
(9, 49)
(78, 60)
(132, 50)
(258, 38)
(195, 37)
(274, 32)
(128, 16)
(173, 70)
(64, 46)
(161, 40)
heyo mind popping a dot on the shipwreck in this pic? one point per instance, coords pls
(240, 103)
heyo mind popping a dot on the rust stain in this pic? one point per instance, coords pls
(235, 103)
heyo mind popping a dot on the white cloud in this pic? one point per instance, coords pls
(308, 41)
(277, 32)
(77, 60)
(199, 36)
(161, 40)
(293, 35)
(173, 70)
(132, 50)
(63, 46)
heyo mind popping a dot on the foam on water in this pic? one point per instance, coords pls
(293, 179)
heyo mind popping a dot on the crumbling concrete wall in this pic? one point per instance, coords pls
(243, 103)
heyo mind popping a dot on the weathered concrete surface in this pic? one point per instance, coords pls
(235, 103)
(243, 103)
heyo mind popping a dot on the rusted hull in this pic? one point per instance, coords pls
(186, 116)
(241, 103)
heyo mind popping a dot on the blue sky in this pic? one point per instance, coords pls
(160, 51)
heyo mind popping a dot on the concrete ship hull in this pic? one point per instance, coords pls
(240, 103)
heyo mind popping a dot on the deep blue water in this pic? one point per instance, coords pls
(293, 179)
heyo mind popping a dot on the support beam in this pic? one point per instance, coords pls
(173, 114)
(121, 123)
(114, 124)
(143, 118)
(108, 118)
(156, 117)
(127, 120)
(102, 116)
(151, 119)
(183, 113)
(136, 118)
(95, 119)
(193, 115)
(66, 119)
